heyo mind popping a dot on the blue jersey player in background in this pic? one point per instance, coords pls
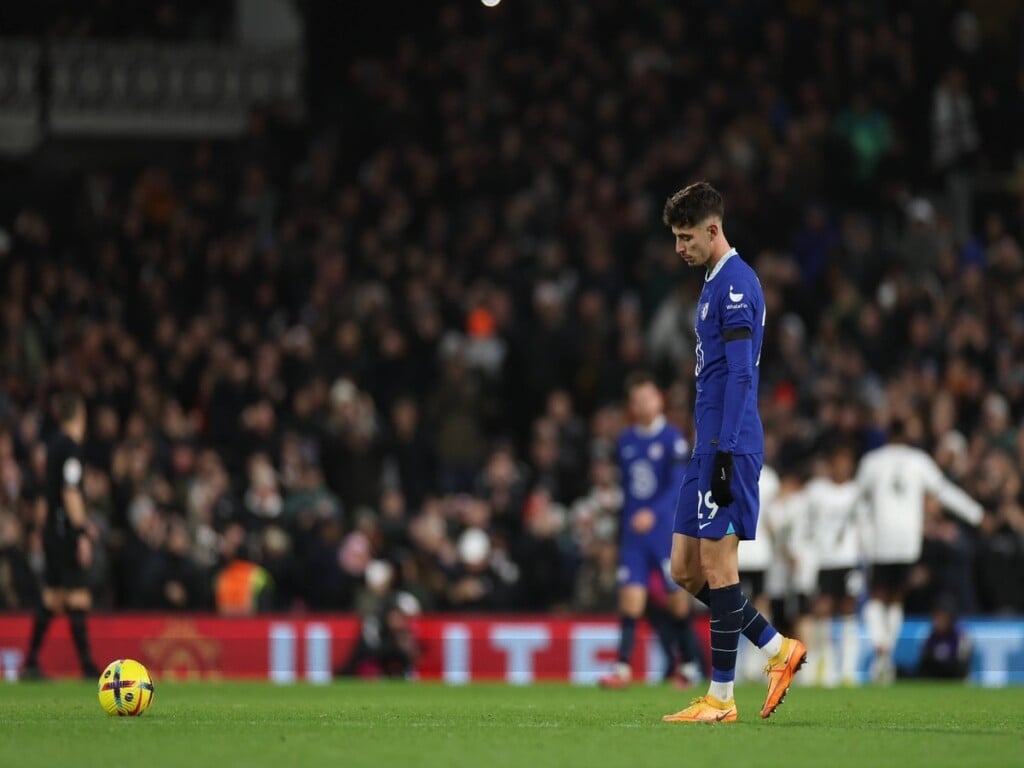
(718, 501)
(651, 457)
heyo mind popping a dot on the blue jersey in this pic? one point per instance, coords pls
(651, 465)
(731, 299)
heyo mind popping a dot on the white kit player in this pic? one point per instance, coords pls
(831, 502)
(892, 483)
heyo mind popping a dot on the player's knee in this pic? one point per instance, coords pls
(717, 573)
(688, 578)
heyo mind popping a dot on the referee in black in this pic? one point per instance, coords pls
(66, 541)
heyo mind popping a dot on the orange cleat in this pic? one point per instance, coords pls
(780, 671)
(706, 709)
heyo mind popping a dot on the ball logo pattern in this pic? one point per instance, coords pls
(125, 688)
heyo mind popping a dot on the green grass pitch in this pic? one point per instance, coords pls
(489, 726)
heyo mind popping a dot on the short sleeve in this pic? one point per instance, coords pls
(72, 471)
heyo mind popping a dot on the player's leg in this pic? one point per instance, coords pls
(684, 558)
(79, 603)
(53, 600)
(785, 655)
(894, 617)
(690, 657)
(632, 600)
(695, 518)
(751, 659)
(849, 644)
(823, 671)
(876, 620)
(725, 599)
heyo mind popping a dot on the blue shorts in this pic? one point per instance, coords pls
(699, 517)
(639, 555)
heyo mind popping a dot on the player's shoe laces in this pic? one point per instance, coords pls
(706, 709)
(780, 671)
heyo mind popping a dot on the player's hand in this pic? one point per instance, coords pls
(642, 521)
(721, 479)
(84, 552)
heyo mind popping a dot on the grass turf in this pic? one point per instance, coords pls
(489, 726)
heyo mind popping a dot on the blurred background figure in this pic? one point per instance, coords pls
(651, 455)
(946, 654)
(834, 522)
(387, 645)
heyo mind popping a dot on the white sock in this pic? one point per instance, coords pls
(773, 646)
(894, 623)
(824, 669)
(623, 670)
(721, 691)
(850, 649)
(875, 621)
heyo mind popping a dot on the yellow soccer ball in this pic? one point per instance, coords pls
(125, 688)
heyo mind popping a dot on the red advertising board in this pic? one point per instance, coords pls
(517, 649)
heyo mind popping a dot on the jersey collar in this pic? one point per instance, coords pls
(656, 426)
(721, 263)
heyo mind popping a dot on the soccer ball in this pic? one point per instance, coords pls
(125, 688)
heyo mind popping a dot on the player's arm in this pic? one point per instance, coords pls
(71, 496)
(738, 341)
(674, 473)
(862, 512)
(949, 495)
(74, 505)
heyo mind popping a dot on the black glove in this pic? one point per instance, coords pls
(721, 479)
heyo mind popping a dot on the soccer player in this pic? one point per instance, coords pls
(718, 502)
(892, 482)
(651, 455)
(66, 541)
(831, 502)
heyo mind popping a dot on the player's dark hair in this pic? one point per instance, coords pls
(897, 429)
(639, 379)
(67, 405)
(693, 204)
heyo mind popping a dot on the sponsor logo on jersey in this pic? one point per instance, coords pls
(655, 451)
(735, 298)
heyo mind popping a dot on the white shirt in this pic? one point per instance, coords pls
(833, 527)
(756, 554)
(794, 566)
(892, 482)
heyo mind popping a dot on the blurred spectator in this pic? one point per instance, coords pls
(946, 654)
(241, 587)
(387, 644)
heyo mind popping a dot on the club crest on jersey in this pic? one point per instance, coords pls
(655, 451)
(704, 310)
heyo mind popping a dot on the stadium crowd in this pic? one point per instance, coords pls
(325, 362)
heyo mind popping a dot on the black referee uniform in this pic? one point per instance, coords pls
(60, 538)
(64, 470)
